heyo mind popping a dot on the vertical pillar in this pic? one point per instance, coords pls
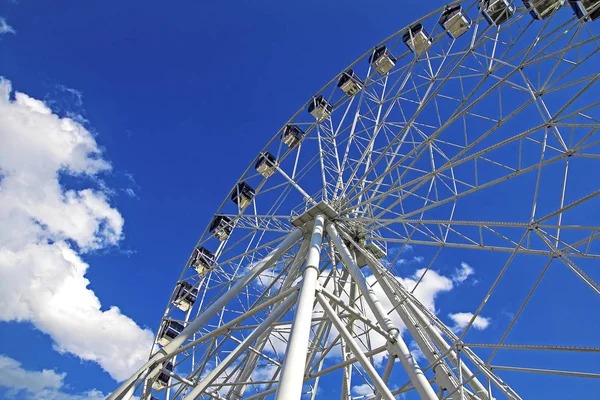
(356, 350)
(292, 373)
(347, 375)
(432, 331)
(387, 372)
(397, 345)
(237, 391)
(445, 378)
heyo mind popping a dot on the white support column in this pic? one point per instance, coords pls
(129, 393)
(433, 333)
(387, 372)
(237, 391)
(355, 348)
(273, 317)
(397, 345)
(347, 373)
(445, 378)
(437, 338)
(203, 318)
(346, 354)
(422, 331)
(292, 372)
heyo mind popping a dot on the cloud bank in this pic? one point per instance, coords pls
(46, 384)
(45, 230)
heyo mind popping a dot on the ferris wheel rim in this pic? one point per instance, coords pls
(322, 90)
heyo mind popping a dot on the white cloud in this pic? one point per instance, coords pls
(278, 339)
(431, 285)
(462, 319)
(46, 384)
(13, 376)
(414, 260)
(393, 250)
(130, 192)
(263, 373)
(416, 352)
(362, 390)
(461, 275)
(5, 28)
(46, 228)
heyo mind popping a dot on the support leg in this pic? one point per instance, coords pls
(219, 369)
(292, 374)
(435, 336)
(445, 378)
(237, 392)
(203, 318)
(397, 346)
(387, 372)
(355, 348)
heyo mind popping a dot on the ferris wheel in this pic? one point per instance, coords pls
(470, 134)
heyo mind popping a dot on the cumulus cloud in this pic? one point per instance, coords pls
(362, 390)
(263, 373)
(46, 384)
(416, 352)
(5, 28)
(461, 275)
(462, 319)
(430, 287)
(45, 230)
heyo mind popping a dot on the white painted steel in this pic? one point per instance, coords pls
(203, 318)
(406, 162)
(292, 375)
(356, 350)
(219, 369)
(397, 345)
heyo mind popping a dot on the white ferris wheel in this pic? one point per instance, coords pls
(471, 133)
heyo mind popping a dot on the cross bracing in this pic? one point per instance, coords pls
(480, 145)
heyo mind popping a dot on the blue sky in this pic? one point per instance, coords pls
(180, 98)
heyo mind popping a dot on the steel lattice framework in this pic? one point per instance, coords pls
(482, 142)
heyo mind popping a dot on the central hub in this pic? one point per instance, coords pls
(310, 214)
(355, 229)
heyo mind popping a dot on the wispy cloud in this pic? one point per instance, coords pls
(414, 260)
(461, 274)
(130, 192)
(5, 28)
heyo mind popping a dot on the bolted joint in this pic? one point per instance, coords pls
(557, 254)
